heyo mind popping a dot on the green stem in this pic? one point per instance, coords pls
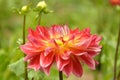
(25, 67)
(40, 15)
(24, 21)
(116, 54)
(60, 75)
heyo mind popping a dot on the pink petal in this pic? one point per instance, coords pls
(71, 37)
(43, 31)
(48, 50)
(95, 40)
(74, 31)
(98, 39)
(86, 31)
(62, 30)
(80, 53)
(28, 49)
(86, 58)
(93, 51)
(35, 63)
(68, 68)
(66, 29)
(77, 68)
(46, 61)
(61, 63)
(28, 57)
(66, 55)
(47, 69)
(83, 44)
(36, 41)
(31, 32)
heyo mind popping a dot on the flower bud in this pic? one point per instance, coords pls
(41, 5)
(24, 9)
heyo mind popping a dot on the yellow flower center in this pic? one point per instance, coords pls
(59, 43)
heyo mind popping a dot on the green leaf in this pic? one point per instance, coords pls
(17, 67)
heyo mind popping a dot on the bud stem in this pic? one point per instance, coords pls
(24, 22)
(25, 63)
(39, 19)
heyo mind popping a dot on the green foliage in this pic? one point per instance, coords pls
(17, 67)
(39, 75)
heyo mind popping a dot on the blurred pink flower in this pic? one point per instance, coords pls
(67, 48)
(115, 2)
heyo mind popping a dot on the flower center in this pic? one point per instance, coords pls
(59, 42)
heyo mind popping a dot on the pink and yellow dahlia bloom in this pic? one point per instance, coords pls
(63, 46)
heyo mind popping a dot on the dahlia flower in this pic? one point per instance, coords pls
(66, 47)
(115, 2)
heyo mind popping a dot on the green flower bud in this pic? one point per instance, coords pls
(24, 9)
(41, 5)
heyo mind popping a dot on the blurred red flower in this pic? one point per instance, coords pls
(115, 2)
(67, 48)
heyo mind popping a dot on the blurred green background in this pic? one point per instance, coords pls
(99, 15)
